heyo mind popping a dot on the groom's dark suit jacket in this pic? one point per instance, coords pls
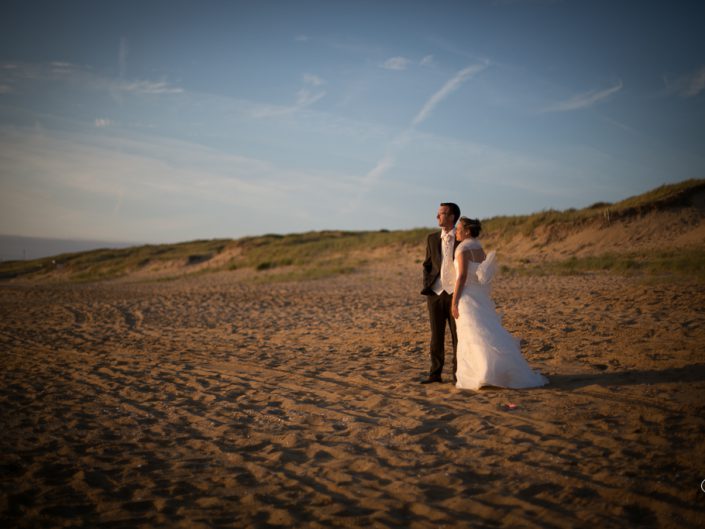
(432, 263)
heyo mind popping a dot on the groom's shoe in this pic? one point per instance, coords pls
(432, 379)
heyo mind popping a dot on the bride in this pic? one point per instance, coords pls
(487, 354)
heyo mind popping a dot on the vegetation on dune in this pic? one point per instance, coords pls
(688, 262)
(326, 249)
(680, 194)
(111, 263)
(663, 197)
(320, 254)
(305, 255)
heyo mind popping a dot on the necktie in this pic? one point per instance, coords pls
(447, 270)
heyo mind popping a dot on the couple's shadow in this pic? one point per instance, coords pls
(689, 373)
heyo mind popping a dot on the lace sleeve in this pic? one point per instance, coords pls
(473, 244)
(467, 246)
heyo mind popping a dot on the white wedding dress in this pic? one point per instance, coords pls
(487, 354)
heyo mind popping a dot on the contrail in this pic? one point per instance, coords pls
(451, 86)
(387, 162)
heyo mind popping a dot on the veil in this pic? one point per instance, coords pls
(487, 268)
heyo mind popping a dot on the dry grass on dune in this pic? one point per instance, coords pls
(689, 194)
(303, 256)
(660, 231)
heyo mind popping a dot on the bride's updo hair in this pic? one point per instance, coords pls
(473, 226)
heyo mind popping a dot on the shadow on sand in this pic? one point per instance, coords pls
(691, 373)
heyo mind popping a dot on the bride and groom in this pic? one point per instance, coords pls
(456, 278)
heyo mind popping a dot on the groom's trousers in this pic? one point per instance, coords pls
(439, 313)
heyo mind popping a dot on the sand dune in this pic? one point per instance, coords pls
(662, 229)
(652, 232)
(213, 402)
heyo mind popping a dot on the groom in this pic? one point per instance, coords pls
(438, 285)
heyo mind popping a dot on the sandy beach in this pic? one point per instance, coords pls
(213, 401)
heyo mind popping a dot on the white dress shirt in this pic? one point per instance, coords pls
(446, 279)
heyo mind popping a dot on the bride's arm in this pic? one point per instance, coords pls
(459, 283)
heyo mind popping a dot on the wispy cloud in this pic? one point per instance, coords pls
(84, 78)
(584, 100)
(63, 68)
(60, 183)
(402, 63)
(313, 80)
(448, 88)
(146, 87)
(427, 60)
(102, 123)
(396, 63)
(305, 97)
(689, 85)
(382, 166)
(38, 71)
(5, 89)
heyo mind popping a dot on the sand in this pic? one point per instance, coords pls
(212, 401)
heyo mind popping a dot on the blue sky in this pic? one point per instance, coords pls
(169, 121)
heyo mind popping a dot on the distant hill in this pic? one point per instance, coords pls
(661, 231)
(14, 248)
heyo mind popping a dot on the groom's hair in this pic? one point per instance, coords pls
(454, 209)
